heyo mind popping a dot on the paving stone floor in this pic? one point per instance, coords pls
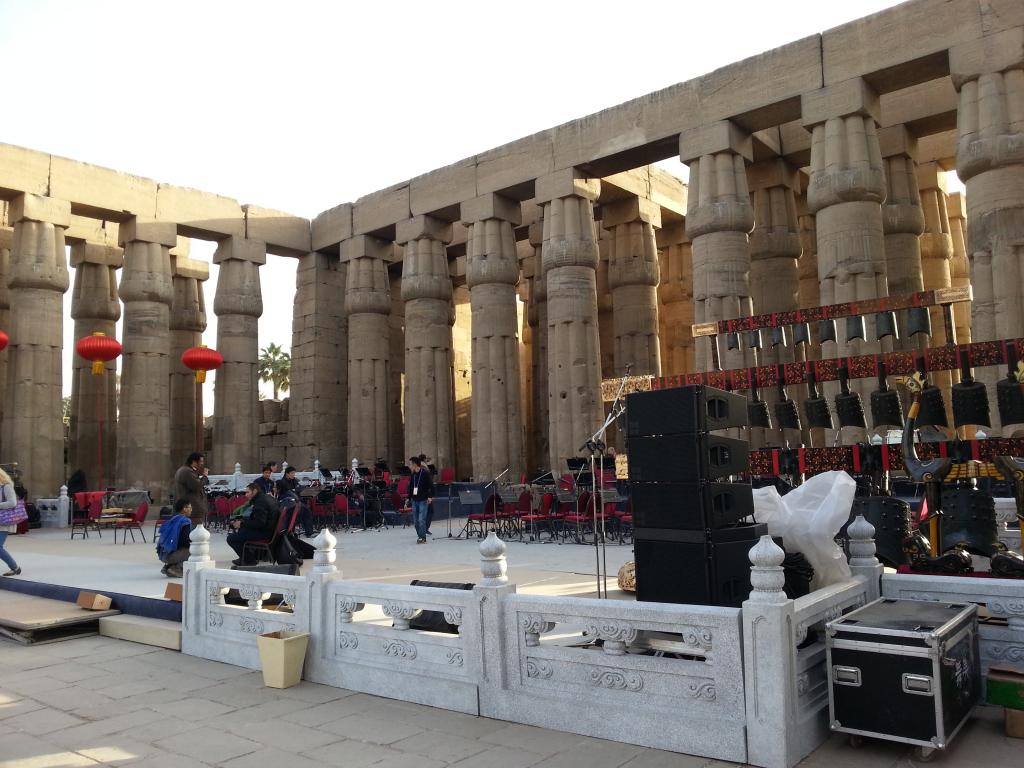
(98, 701)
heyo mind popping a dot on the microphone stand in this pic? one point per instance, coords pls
(596, 446)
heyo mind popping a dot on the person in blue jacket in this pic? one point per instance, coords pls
(172, 546)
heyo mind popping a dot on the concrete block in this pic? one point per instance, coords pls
(367, 247)
(490, 206)
(773, 173)
(720, 136)
(515, 164)
(565, 183)
(199, 214)
(442, 189)
(630, 209)
(22, 170)
(94, 253)
(139, 629)
(332, 226)
(93, 189)
(850, 97)
(380, 210)
(182, 266)
(148, 231)
(423, 226)
(284, 234)
(897, 140)
(241, 249)
(994, 53)
(39, 208)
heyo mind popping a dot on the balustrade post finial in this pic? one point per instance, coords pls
(199, 546)
(767, 577)
(326, 554)
(493, 565)
(862, 556)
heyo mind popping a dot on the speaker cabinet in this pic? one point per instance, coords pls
(683, 410)
(690, 506)
(686, 458)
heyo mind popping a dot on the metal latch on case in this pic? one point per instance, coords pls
(846, 675)
(917, 684)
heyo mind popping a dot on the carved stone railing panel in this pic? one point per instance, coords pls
(816, 609)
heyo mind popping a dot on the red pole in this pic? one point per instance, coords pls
(200, 431)
(99, 431)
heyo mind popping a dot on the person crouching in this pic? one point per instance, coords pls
(173, 543)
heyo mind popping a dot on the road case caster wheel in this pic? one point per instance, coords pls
(924, 754)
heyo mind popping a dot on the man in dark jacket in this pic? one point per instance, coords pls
(258, 525)
(188, 485)
(421, 496)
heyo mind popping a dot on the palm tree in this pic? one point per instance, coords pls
(275, 366)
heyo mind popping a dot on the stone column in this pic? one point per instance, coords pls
(675, 294)
(396, 372)
(318, 405)
(238, 304)
(633, 279)
(537, 317)
(936, 267)
(368, 306)
(429, 316)
(38, 277)
(989, 76)
(188, 321)
(570, 258)
(808, 296)
(718, 219)
(95, 308)
(903, 223)
(6, 239)
(492, 272)
(143, 428)
(845, 193)
(605, 310)
(959, 265)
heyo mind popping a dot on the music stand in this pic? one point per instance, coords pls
(470, 497)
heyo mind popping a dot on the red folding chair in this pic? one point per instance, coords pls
(260, 547)
(134, 524)
(404, 512)
(86, 515)
(447, 475)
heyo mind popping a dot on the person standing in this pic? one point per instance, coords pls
(188, 484)
(9, 506)
(421, 496)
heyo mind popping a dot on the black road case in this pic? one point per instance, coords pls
(904, 670)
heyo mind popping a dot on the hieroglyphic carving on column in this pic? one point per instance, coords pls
(570, 256)
(846, 189)
(718, 219)
(38, 277)
(95, 308)
(429, 315)
(238, 304)
(902, 223)
(959, 265)
(318, 406)
(989, 76)
(537, 317)
(143, 428)
(492, 272)
(6, 238)
(633, 279)
(675, 295)
(188, 321)
(368, 305)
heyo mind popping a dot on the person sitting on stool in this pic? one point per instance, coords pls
(421, 496)
(259, 525)
(172, 546)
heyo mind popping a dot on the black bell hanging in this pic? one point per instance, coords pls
(732, 340)
(757, 411)
(886, 409)
(970, 397)
(1010, 391)
(919, 321)
(801, 334)
(932, 411)
(754, 339)
(885, 325)
(786, 414)
(816, 407)
(849, 407)
(855, 328)
(779, 336)
(826, 331)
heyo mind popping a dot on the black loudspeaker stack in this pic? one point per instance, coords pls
(689, 543)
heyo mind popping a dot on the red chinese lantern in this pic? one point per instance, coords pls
(100, 349)
(202, 359)
(4, 341)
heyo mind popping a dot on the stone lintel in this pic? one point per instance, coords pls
(183, 266)
(931, 176)
(712, 138)
(673, 234)
(96, 253)
(183, 247)
(567, 182)
(367, 247)
(240, 249)
(333, 226)
(423, 226)
(491, 206)
(629, 210)
(850, 97)
(896, 140)
(773, 173)
(162, 232)
(29, 207)
(956, 206)
(536, 233)
(995, 53)
(6, 238)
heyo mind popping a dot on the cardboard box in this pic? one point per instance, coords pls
(1015, 723)
(93, 601)
(173, 592)
(1005, 687)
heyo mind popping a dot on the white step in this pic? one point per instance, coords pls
(139, 629)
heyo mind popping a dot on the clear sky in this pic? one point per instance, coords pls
(301, 106)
